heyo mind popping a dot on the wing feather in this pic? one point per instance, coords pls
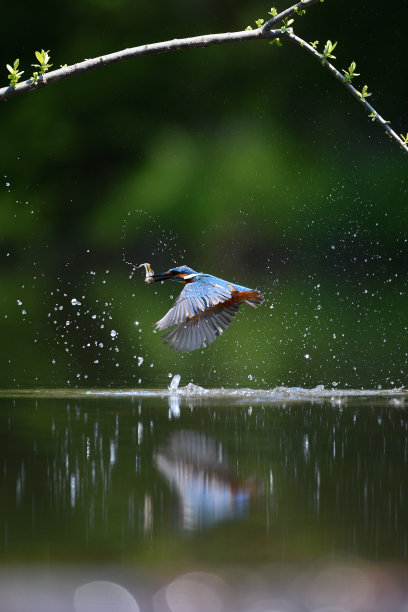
(195, 298)
(210, 331)
(199, 335)
(207, 333)
(200, 330)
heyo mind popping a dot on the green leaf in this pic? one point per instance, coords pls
(286, 23)
(350, 74)
(15, 74)
(273, 12)
(364, 93)
(328, 48)
(43, 57)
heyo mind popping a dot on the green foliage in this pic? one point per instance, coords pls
(328, 50)
(373, 116)
(299, 11)
(15, 74)
(43, 58)
(286, 25)
(273, 12)
(276, 41)
(404, 138)
(259, 24)
(364, 93)
(314, 44)
(350, 73)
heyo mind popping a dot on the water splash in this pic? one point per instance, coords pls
(175, 381)
(397, 396)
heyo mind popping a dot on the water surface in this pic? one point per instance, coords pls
(170, 481)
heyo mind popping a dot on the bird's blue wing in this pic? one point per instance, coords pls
(196, 298)
(202, 329)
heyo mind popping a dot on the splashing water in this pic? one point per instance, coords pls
(396, 396)
(175, 381)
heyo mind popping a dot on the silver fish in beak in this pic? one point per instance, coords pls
(149, 272)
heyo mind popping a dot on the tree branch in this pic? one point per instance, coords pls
(359, 96)
(264, 32)
(125, 54)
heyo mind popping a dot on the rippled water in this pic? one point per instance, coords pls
(138, 488)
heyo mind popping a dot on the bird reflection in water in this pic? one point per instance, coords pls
(206, 485)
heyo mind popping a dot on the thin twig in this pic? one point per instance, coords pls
(375, 116)
(288, 13)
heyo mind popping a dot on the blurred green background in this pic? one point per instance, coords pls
(247, 161)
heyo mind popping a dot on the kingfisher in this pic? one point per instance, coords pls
(204, 308)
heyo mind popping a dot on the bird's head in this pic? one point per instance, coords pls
(180, 273)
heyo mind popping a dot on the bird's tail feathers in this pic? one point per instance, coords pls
(255, 301)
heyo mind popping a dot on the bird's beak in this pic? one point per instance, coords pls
(160, 276)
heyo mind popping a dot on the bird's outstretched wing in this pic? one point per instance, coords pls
(202, 329)
(195, 298)
(200, 314)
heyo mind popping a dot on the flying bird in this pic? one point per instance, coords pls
(204, 308)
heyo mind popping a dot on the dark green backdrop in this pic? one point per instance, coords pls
(248, 161)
